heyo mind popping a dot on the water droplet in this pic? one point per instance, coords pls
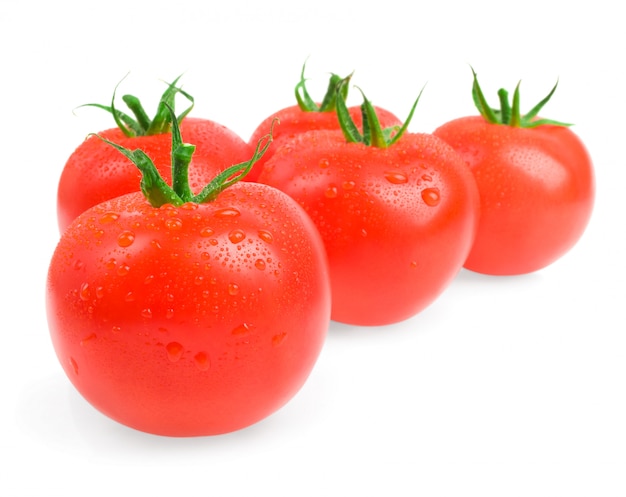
(146, 313)
(74, 365)
(156, 244)
(259, 264)
(431, 196)
(278, 339)
(173, 224)
(78, 264)
(84, 292)
(324, 163)
(169, 313)
(233, 289)
(236, 236)
(202, 361)
(189, 206)
(130, 297)
(242, 329)
(427, 177)
(116, 329)
(148, 279)
(86, 340)
(206, 232)
(126, 238)
(363, 232)
(413, 264)
(396, 177)
(227, 212)
(266, 236)
(174, 351)
(109, 217)
(331, 192)
(348, 185)
(99, 292)
(123, 270)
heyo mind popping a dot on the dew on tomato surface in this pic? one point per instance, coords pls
(396, 177)
(85, 341)
(331, 191)
(74, 365)
(202, 361)
(259, 264)
(431, 196)
(174, 351)
(85, 292)
(233, 289)
(173, 223)
(227, 212)
(278, 339)
(237, 236)
(266, 236)
(242, 329)
(324, 163)
(126, 238)
(348, 185)
(123, 269)
(206, 232)
(146, 313)
(109, 217)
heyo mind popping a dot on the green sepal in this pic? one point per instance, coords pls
(141, 124)
(373, 134)
(159, 193)
(152, 184)
(306, 102)
(509, 113)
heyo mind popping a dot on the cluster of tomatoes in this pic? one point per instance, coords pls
(196, 275)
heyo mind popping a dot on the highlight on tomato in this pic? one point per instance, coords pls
(183, 314)
(95, 172)
(536, 184)
(309, 115)
(397, 212)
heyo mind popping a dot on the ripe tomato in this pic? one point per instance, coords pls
(397, 219)
(189, 319)
(536, 185)
(308, 115)
(95, 172)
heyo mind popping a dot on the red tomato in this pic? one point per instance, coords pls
(397, 222)
(309, 116)
(536, 186)
(95, 172)
(196, 319)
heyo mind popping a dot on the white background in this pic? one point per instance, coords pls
(503, 387)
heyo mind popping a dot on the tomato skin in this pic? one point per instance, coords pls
(397, 223)
(96, 172)
(537, 191)
(192, 320)
(293, 121)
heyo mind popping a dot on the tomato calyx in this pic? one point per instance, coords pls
(373, 135)
(509, 113)
(141, 124)
(159, 193)
(333, 93)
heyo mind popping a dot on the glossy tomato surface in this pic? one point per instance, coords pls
(191, 320)
(536, 187)
(96, 172)
(292, 121)
(397, 222)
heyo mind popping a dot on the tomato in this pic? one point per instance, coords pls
(95, 172)
(308, 115)
(397, 219)
(192, 319)
(536, 184)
